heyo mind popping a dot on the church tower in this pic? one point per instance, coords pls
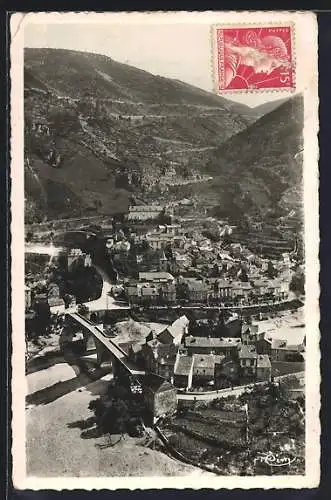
(163, 262)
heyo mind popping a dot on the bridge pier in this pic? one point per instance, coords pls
(94, 346)
(103, 354)
(106, 349)
(118, 371)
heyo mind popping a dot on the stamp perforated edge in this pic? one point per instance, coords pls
(214, 58)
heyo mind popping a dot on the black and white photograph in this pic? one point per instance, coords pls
(165, 234)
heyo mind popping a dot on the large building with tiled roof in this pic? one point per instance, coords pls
(208, 345)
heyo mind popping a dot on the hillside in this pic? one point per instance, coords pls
(259, 169)
(98, 132)
(267, 107)
(86, 75)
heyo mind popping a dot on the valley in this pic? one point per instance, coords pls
(96, 140)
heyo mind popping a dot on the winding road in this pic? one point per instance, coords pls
(236, 391)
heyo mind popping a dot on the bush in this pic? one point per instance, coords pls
(297, 284)
(114, 415)
(211, 231)
(83, 309)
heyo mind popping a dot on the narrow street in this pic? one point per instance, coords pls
(224, 393)
(106, 300)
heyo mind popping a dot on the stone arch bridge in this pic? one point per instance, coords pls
(106, 349)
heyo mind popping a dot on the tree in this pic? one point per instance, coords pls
(194, 261)
(271, 270)
(216, 287)
(297, 284)
(43, 317)
(132, 260)
(232, 272)
(115, 417)
(215, 271)
(67, 298)
(211, 231)
(64, 121)
(248, 320)
(168, 251)
(32, 212)
(227, 239)
(163, 218)
(86, 283)
(98, 408)
(83, 310)
(221, 318)
(193, 326)
(113, 411)
(29, 236)
(182, 291)
(243, 276)
(145, 246)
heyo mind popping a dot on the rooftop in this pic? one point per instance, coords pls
(278, 344)
(196, 285)
(221, 283)
(260, 283)
(156, 328)
(252, 329)
(165, 352)
(227, 361)
(206, 360)
(184, 365)
(148, 291)
(225, 256)
(263, 361)
(156, 383)
(145, 208)
(150, 276)
(178, 326)
(273, 284)
(136, 347)
(283, 344)
(247, 351)
(244, 285)
(212, 342)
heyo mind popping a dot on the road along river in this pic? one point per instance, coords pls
(104, 302)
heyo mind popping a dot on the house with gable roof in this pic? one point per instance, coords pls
(183, 371)
(263, 368)
(160, 396)
(248, 360)
(159, 358)
(174, 333)
(204, 367)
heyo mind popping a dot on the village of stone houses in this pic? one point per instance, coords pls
(164, 323)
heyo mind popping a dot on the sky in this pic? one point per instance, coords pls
(173, 50)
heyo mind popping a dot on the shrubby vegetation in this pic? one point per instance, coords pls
(117, 412)
(276, 424)
(297, 284)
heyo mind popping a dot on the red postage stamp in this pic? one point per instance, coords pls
(249, 58)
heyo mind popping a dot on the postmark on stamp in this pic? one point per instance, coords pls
(254, 58)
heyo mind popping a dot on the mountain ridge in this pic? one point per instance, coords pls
(98, 133)
(35, 56)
